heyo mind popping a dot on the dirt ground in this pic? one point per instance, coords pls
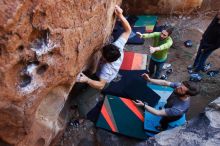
(179, 57)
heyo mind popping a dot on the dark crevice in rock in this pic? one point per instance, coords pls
(41, 40)
(25, 80)
(50, 53)
(35, 62)
(41, 69)
(27, 72)
(2, 49)
(36, 34)
(20, 48)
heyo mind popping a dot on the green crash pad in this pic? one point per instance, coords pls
(146, 21)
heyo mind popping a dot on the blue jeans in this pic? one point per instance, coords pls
(201, 57)
(158, 65)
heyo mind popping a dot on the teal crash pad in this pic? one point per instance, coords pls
(151, 121)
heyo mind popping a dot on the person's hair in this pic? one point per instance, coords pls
(169, 30)
(193, 88)
(111, 53)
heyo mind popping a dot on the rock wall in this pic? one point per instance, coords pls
(44, 44)
(160, 6)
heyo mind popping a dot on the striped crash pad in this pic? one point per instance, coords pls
(121, 115)
(151, 121)
(131, 85)
(134, 61)
(146, 21)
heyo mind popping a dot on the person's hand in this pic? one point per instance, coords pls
(152, 49)
(81, 78)
(118, 11)
(146, 77)
(140, 35)
(139, 103)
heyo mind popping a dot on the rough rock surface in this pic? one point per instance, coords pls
(44, 44)
(161, 6)
(203, 130)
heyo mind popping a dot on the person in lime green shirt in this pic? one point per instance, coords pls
(159, 50)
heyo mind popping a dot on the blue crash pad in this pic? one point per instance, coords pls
(163, 91)
(151, 121)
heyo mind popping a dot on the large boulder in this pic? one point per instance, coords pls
(44, 44)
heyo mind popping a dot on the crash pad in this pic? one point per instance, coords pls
(121, 115)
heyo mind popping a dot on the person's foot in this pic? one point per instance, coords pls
(190, 67)
(193, 71)
(212, 73)
(206, 67)
(190, 71)
(166, 66)
(195, 77)
(164, 77)
(159, 128)
(169, 71)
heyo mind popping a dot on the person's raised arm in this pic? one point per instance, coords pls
(125, 24)
(148, 35)
(156, 81)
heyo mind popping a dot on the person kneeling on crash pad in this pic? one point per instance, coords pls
(177, 104)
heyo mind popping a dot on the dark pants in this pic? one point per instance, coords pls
(201, 57)
(166, 120)
(158, 65)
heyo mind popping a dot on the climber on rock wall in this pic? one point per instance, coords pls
(112, 57)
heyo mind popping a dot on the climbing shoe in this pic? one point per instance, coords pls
(212, 73)
(164, 77)
(206, 67)
(195, 77)
(190, 67)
